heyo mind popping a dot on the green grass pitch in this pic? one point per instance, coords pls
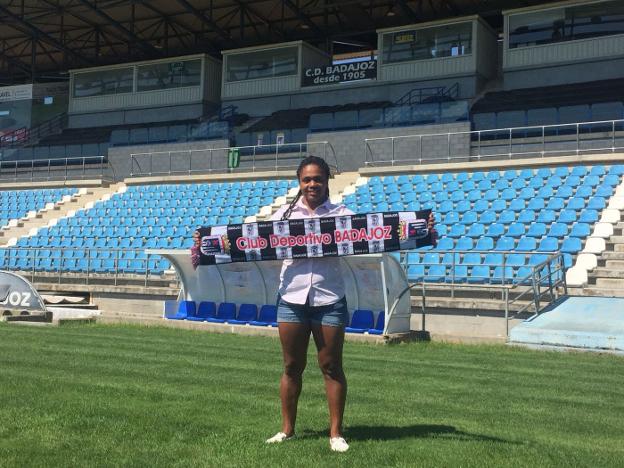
(104, 395)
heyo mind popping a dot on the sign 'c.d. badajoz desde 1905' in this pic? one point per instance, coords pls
(340, 73)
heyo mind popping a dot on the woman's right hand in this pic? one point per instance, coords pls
(196, 239)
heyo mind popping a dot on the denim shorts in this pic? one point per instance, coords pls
(332, 315)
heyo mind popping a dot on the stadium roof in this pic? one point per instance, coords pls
(40, 40)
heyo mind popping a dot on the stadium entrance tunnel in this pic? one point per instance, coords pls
(372, 283)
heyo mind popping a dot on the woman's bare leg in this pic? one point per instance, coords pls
(295, 338)
(329, 342)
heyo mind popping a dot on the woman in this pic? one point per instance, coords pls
(311, 300)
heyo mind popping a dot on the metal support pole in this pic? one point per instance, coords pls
(423, 306)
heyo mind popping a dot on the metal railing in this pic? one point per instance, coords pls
(29, 136)
(503, 143)
(520, 294)
(57, 169)
(216, 160)
(74, 265)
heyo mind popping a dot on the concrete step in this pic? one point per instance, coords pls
(618, 248)
(474, 305)
(612, 256)
(606, 273)
(603, 291)
(341, 181)
(615, 264)
(611, 283)
(79, 287)
(616, 240)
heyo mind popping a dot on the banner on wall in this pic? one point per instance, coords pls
(16, 93)
(314, 237)
(341, 73)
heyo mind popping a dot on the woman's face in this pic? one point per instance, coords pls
(313, 185)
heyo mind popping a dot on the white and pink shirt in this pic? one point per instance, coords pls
(318, 279)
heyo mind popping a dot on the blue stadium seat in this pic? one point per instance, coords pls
(266, 317)
(526, 244)
(488, 217)
(596, 203)
(246, 314)
(507, 217)
(445, 243)
(571, 245)
(526, 216)
(580, 230)
(537, 230)
(471, 259)
(185, 309)
(588, 216)
(558, 230)
(464, 243)
(555, 204)
(476, 230)
(515, 260)
(502, 275)
(457, 274)
(361, 321)
(206, 309)
(479, 274)
(515, 230)
(495, 230)
(493, 259)
(566, 216)
(484, 244)
(504, 243)
(457, 230)
(225, 313)
(415, 273)
(536, 204)
(548, 244)
(435, 273)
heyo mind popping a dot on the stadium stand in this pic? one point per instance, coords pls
(15, 204)
(550, 105)
(509, 219)
(111, 236)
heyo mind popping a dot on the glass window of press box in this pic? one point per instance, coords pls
(262, 64)
(103, 82)
(424, 44)
(169, 75)
(566, 24)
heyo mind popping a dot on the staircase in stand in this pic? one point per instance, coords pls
(607, 279)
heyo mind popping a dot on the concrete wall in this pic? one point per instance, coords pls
(564, 74)
(351, 152)
(352, 93)
(134, 116)
(181, 157)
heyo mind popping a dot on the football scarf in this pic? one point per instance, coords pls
(334, 236)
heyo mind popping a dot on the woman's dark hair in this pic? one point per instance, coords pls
(320, 162)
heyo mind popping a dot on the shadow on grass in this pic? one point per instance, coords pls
(415, 431)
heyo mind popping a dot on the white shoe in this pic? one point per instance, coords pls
(279, 438)
(338, 444)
